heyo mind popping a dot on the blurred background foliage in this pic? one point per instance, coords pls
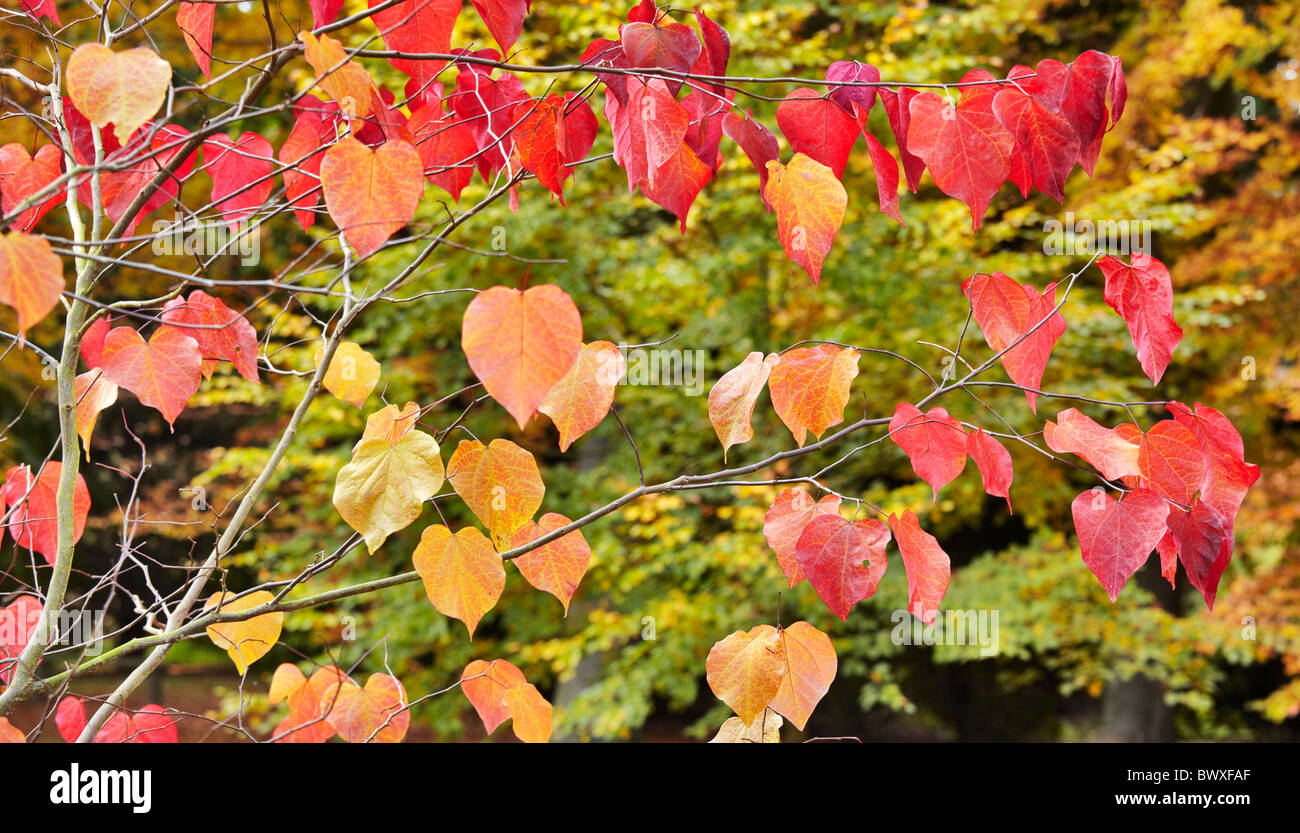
(1208, 152)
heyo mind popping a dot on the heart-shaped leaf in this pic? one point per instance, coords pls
(809, 202)
(810, 666)
(371, 193)
(248, 640)
(520, 344)
(558, 566)
(122, 88)
(393, 471)
(500, 483)
(163, 373)
(744, 670)
(374, 714)
(33, 507)
(463, 576)
(31, 277)
(811, 386)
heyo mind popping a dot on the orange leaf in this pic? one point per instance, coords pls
(731, 402)
(31, 277)
(286, 680)
(745, 671)
(579, 401)
(371, 193)
(793, 510)
(530, 712)
(308, 710)
(557, 567)
(520, 344)
(10, 734)
(345, 82)
(122, 88)
(811, 386)
(23, 175)
(1107, 449)
(377, 713)
(485, 684)
(499, 691)
(245, 641)
(92, 393)
(809, 203)
(163, 373)
(500, 484)
(810, 666)
(462, 575)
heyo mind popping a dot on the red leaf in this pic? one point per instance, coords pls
(675, 184)
(666, 45)
(33, 513)
(152, 725)
(1078, 92)
(928, 567)
(301, 156)
(163, 373)
(651, 128)
(92, 341)
(70, 718)
(18, 621)
(418, 26)
(1009, 313)
(994, 463)
(486, 106)
(934, 442)
(1117, 536)
(195, 22)
(831, 552)
(551, 134)
(446, 147)
(234, 339)
(1227, 474)
(785, 522)
(715, 54)
(1143, 295)
(504, 19)
(818, 128)
(898, 108)
(847, 96)
(1044, 139)
(324, 12)
(758, 143)
(41, 8)
(1202, 538)
(1106, 449)
(1170, 461)
(241, 174)
(966, 148)
(22, 176)
(885, 166)
(704, 131)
